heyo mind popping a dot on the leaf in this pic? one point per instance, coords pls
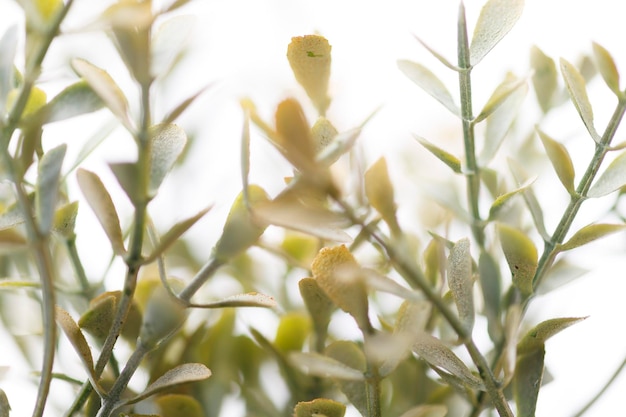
(437, 55)
(179, 405)
(491, 286)
(544, 78)
(530, 198)
(168, 43)
(251, 299)
(589, 234)
(438, 355)
(100, 201)
(318, 304)
(127, 175)
(535, 339)
(47, 188)
(461, 283)
(379, 192)
(319, 407)
(501, 202)
(426, 411)
(104, 86)
(12, 217)
(75, 100)
(379, 282)
(5, 408)
(188, 372)
(351, 355)
(496, 19)
(429, 82)
(310, 58)
(561, 161)
(577, 89)
(560, 274)
(319, 365)
(293, 329)
(502, 92)
(180, 108)
(612, 179)
(167, 143)
(527, 382)
(521, 255)
(607, 67)
(8, 47)
(175, 232)
(340, 145)
(293, 136)
(447, 158)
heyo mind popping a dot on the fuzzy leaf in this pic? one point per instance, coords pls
(319, 365)
(179, 405)
(317, 303)
(536, 337)
(447, 158)
(502, 92)
(607, 68)
(379, 192)
(426, 411)
(612, 179)
(501, 202)
(310, 58)
(437, 55)
(461, 283)
(577, 89)
(48, 186)
(561, 161)
(496, 19)
(544, 78)
(104, 86)
(100, 201)
(429, 82)
(319, 407)
(437, 354)
(251, 299)
(521, 255)
(168, 43)
(527, 382)
(168, 142)
(188, 372)
(75, 100)
(589, 234)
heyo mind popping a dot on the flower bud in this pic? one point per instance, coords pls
(309, 57)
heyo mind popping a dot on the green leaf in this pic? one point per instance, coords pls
(461, 283)
(163, 315)
(293, 329)
(426, 411)
(536, 337)
(319, 407)
(521, 255)
(182, 374)
(351, 355)
(251, 299)
(530, 198)
(561, 161)
(100, 201)
(501, 202)
(447, 158)
(527, 382)
(76, 99)
(318, 304)
(612, 179)
(8, 46)
(607, 68)
(167, 143)
(438, 355)
(104, 86)
(179, 405)
(544, 78)
(127, 175)
(589, 234)
(5, 408)
(319, 365)
(430, 83)
(379, 192)
(496, 19)
(577, 89)
(48, 186)
(507, 87)
(168, 43)
(491, 286)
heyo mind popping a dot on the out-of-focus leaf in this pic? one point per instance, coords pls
(188, 372)
(293, 329)
(461, 283)
(319, 365)
(577, 89)
(386, 350)
(162, 316)
(100, 201)
(545, 78)
(447, 158)
(168, 42)
(323, 133)
(65, 219)
(104, 86)
(437, 55)
(127, 15)
(430, 83)
(340, 145)
(351, 355)
(167, 143)
(319, 407)
(75, 100)
(412, 317)
(561, 273)
(527, 382)
(252, 299)
(521, 255)
(48, 186)
(179, 405)
(174, 233)
(127, 175)
(379, 192)
(294, 136)
(426, 411)
(180, 109)
(310, 58)
(536, 337)
(8, 45)
(317, 303)
(530, 198)
(91, 144)
(505, 90)
(501, 201)
(607, 68)
(491, 286)
(378, 282)
(496, 19)
(5, 407)
(589, 234)
(438, 355)
(612, 179)
(561, 161)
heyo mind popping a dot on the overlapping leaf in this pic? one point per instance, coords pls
(607, 67)
(577, 89)
(521, 255)
(461, 283)
(47, 187)
(612, 179)
(496, 19)
(561, 161)
(545, 78)
(447, 158)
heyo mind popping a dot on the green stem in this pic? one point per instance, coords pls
(88, 291)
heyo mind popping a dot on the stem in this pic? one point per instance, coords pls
(201, 277)
(85, 286)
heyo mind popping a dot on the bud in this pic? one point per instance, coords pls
(309, 57)
(36, 100)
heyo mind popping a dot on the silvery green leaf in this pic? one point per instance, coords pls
(319, 365)
(426, 411)
(527, 382)
(612, 179)
(530, 198)
(49, 173)
(561, 273)
(589, 234)
(8, 45)
(536, 337)
(496, 19)
(447, 158)
(168, 43)
(430, 83)
(607, 68)
(501, 202)
(577, 89)
(561, 161)
(521, 255)
(437, 55)
(545, 78)
(461, 283)
(167, 143)
(251, 299)
(382, 283)
(502, 92)
(75, 100)
(491, 286)
(127, 175)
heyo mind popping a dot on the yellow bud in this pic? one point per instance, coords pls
(309, 57)
(36, 100)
